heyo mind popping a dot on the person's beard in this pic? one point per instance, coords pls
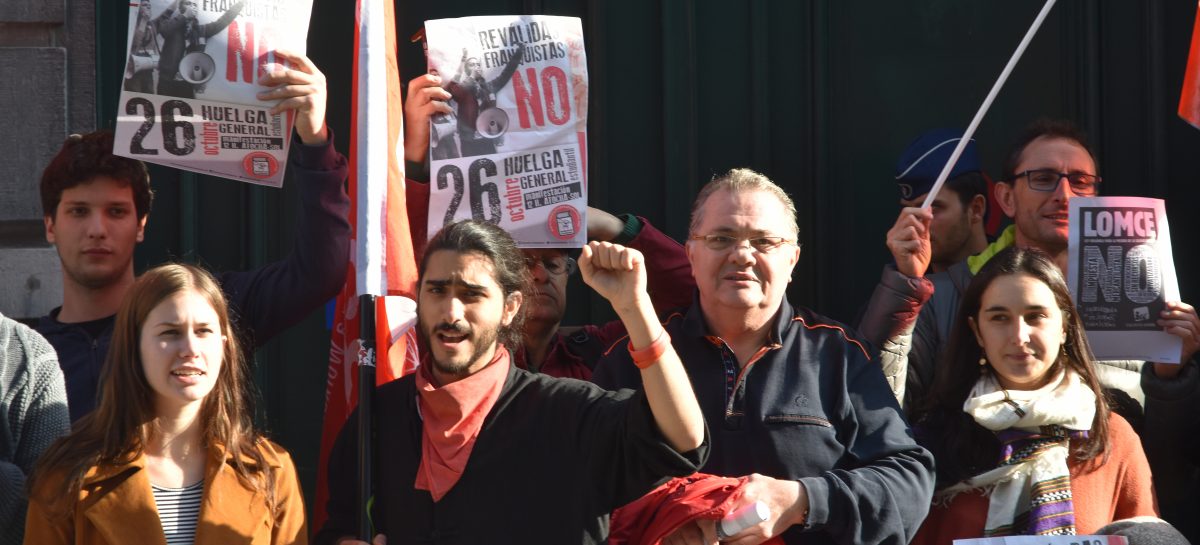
(948, 251)
(482, 341)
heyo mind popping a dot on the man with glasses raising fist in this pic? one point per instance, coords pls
(792, 399)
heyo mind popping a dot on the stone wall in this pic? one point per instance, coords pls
(48, 90)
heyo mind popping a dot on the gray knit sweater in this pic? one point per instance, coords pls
(33, 413)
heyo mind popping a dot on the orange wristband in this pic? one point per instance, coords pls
(648, 356)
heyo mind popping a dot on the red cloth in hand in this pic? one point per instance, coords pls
(653, 517)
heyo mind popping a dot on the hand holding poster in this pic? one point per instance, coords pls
(1121, 273)
(191, 79)
(514, 153)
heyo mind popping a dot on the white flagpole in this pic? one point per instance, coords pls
(987, 103)
(371, 173)
(372, 164)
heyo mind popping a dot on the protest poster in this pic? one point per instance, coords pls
(1045, 540)
(1121, 274)
(514, 152)
(191, 75)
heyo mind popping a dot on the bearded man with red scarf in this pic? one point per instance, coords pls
(473, 449)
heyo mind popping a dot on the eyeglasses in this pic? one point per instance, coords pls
(1046, 179)
(722, 242)
(557, 265)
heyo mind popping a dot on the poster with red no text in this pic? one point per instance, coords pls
(514, 150)
(188, 97)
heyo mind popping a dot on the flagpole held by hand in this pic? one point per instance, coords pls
(987, 103)
(366, 391)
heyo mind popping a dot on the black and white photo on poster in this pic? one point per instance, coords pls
(188, 98)
(514, 149)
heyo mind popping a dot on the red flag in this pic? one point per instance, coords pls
(1189, 96)
(382, 262)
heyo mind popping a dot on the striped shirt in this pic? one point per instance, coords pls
(178, 510)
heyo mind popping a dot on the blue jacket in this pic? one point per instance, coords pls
(264, 301)
(811, 406)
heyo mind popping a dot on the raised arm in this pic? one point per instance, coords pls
(274, 297)
(892, 312)
(509, 69)
(143, 31)
(170, 20)
(897, 299)
(211, 29)
(618, 274)
(166, 14)
(425, 99)
(302, 90)
(1173, 413)
(669, 279)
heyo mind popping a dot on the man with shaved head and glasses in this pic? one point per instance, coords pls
(792, 399)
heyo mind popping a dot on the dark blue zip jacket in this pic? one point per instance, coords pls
(810, 406)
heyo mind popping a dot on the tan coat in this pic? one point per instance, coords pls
(116, 507)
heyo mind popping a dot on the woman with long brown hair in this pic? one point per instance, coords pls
(1017, 421)
(171, 450)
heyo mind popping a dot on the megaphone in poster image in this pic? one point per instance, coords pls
(197, 67)
(181, 37)
(492, 123)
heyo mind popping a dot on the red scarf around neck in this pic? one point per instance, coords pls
(452, 417)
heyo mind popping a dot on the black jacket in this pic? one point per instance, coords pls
(813, 407)
(553, 458)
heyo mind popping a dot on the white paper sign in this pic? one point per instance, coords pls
(191, 75)
(1121, 273)
(514, 152)
(1045, 540)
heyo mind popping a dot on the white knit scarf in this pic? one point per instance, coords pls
(1066, 402)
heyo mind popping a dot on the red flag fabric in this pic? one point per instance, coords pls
(1189, 96)
(382, 262)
